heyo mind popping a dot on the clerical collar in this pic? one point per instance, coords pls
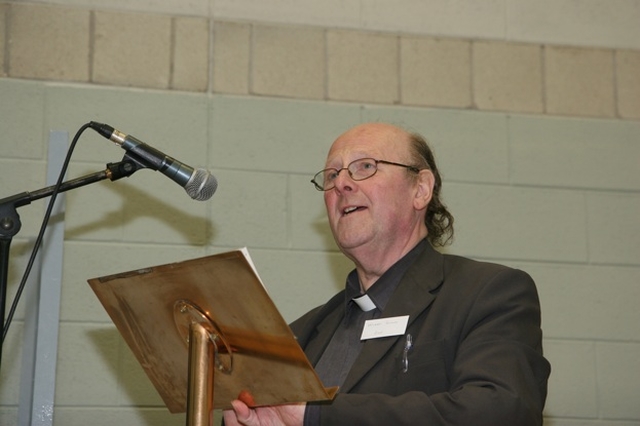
(365, 302)
(380, 292)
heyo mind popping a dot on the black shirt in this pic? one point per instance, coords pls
(345, 345)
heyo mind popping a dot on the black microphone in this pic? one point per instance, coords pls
(199, 184)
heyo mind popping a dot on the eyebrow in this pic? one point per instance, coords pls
(357, 156)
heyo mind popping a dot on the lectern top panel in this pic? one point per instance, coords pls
(267, 362)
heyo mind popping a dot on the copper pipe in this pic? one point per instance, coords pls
(201, 371)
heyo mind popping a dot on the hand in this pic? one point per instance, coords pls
(277, 415)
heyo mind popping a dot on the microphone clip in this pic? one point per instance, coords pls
(129, 164)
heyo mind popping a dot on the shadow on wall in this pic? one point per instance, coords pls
(132, 380)
(195, 229)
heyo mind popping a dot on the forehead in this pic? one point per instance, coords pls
(380, 141)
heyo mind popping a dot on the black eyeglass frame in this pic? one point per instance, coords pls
(376, 162)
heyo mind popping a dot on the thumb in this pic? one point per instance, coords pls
(243, 412)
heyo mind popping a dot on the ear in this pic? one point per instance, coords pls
(424, 189)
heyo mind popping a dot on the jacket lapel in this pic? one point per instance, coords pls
(318, 332)
(414, 294)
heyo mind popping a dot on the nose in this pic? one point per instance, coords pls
(343, 181)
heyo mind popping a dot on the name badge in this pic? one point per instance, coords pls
(384, 327)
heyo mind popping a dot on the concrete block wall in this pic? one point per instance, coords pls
(532, 107)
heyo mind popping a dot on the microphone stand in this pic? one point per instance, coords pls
(10, 223)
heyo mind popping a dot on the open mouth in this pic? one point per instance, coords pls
(351, 209)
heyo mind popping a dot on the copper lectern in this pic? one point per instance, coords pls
(206, 332)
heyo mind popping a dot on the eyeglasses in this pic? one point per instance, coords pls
(360, 169)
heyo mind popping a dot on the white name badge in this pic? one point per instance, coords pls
(384, 327)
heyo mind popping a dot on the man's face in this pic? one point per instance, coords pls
(378, 212)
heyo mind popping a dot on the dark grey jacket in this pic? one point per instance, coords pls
(476, 357)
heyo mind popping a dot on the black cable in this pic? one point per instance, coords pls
(43, 227)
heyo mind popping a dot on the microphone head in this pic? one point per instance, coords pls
(202, 185)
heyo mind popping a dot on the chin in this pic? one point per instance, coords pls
(352, 242)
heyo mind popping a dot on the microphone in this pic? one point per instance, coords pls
(200, 184)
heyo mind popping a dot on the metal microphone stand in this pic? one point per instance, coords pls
(10, 223)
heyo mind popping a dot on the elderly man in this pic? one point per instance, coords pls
(416, 337)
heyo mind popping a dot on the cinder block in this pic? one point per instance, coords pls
(587, 302)
(288, 61)
(157, 210)
(12, 354)
(579, 81)
(572, 384)
(342, 13)
(3, 14)
(49, 42)
(309, 224)
(464, 18)
(18, 176)
(85, 260)
(86, 374)
(618, 380)
(325, 275)
(130, 416)
(579, 153)
(614, 228)
(132, 49)
(520, 223)
(628, 83)
(191, 54)
(9, 415)
(21, 249)
(174, 123)
(22, 119)
(250, 209)
(146, 208)
(362, 67)
(507, 76)
(97, 212)
(465, 143)
(577, 23)
(276, 135)
(435, 72)
(231, 51)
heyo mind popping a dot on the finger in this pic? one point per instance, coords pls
(242, 411)
(246, 397)
(230, 418)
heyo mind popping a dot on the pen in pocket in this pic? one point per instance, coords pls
(405, 353)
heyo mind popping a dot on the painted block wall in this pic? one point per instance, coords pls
(535, 122)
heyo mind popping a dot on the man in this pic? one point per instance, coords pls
(470, 351)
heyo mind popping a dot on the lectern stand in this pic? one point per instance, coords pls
(203, 351)
(206, 332)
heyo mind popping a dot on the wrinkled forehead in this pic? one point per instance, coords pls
(375, 140)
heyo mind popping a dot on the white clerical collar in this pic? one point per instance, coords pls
(364, 302)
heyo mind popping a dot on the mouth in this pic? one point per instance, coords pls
(351, 209)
